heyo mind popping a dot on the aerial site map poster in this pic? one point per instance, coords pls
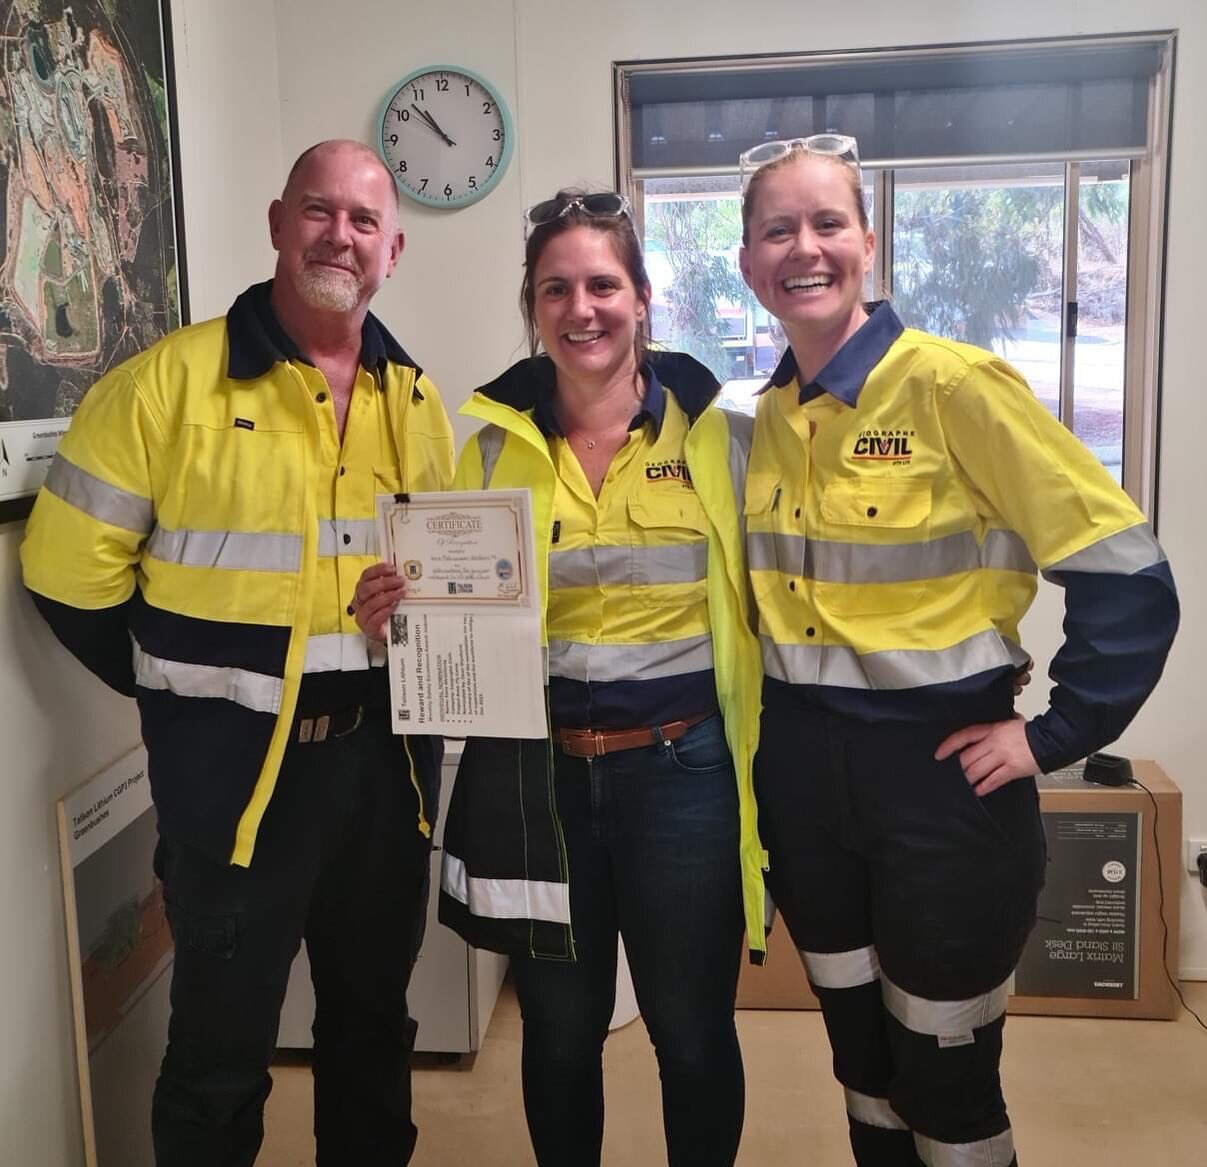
(91, 264)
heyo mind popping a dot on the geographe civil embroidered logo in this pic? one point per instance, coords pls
(884, 445)
(672, 469)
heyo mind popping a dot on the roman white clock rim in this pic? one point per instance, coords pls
(492, 91)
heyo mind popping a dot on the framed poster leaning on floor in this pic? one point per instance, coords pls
(91, 255)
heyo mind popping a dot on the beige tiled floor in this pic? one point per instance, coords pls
(1100, 1093)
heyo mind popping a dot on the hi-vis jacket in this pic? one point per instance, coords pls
(180, 515)
(895, 522)
(505, 883)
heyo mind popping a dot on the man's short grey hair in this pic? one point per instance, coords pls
(329, 144)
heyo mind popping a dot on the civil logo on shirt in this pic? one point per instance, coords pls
(668, 470)
(884, 445)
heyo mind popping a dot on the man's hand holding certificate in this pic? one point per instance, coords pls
(465, 640)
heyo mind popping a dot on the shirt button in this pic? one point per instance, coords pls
(347, 538)
(798, 512)
(343, 470)
(810, 631)
(871, 512)
(792, 585)
(321, 398)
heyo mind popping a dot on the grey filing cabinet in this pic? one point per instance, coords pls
(453, 988)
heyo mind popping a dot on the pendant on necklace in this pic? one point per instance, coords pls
(590, 444)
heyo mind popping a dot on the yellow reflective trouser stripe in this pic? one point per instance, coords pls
(505, 899)
(866, 563)
(940, 1018)
(897, 668)
(347, 537)
(997, 1151)
(257, 691)
(232, 550)
(841, 970)
(673, 563)
(95, 497)
(1124, 553)
(872, 1111)
(629, 662)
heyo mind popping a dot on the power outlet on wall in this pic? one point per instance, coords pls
(1194, 848)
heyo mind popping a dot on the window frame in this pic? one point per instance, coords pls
(1146, 234)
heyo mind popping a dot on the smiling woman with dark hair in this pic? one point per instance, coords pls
(635, 817)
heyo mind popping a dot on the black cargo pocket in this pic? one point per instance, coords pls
(215, 935)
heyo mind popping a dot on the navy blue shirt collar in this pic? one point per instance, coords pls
(653, 405)
(847, 370)
(257, 341)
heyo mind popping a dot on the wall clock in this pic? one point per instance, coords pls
(446, 135)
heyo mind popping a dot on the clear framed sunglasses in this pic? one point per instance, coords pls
(840, 146)
(603, 205)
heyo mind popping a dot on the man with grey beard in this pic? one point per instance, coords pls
(198, 545)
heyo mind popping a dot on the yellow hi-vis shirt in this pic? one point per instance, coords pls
(893, 537)
(629, 637)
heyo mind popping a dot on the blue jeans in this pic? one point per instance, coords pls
(652, 843)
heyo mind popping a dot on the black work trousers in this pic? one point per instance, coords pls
(910, 899)
(339, 861)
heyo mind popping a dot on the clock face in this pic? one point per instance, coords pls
(446, 137)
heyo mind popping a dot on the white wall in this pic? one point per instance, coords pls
(57, 725)
(452, 304)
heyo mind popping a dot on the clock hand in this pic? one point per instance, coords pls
(431, 121)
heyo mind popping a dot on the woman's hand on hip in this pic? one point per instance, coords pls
(376, 596)
(992, 753)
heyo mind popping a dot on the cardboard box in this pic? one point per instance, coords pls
(1074, 811)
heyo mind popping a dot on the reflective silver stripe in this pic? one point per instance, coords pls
(1124, 553)
(741, 434)
(256, 691)
(894, 668)
(490, 445)
(362, 535)
(677, 563)
(629, 662)
(1005, 551)
(868, 563)
(347, 652)
(230, 550)
(997, 1151)
(937, 1018)
(505, 899)
(872, 1111)
(95, 497)
(842, 970)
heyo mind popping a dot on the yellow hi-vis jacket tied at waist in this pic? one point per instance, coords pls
(895, 526)
(182, 500)
(505, 885)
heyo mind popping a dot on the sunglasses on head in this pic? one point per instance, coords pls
(839, 146)
(605, 205)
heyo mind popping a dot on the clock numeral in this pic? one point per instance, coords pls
(467, 91)
(416, 93)
(404, 115)
(488, 107)
(441, 85)
(402, 166)
(448, 191)
(393, 139)
(490, 161)
(473, 182)
(423, 184)
(496, 134)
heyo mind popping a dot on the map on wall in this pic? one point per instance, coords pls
(89, 252)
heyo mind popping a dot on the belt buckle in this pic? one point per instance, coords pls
(600, 748)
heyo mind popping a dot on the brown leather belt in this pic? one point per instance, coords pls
(593, 743)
